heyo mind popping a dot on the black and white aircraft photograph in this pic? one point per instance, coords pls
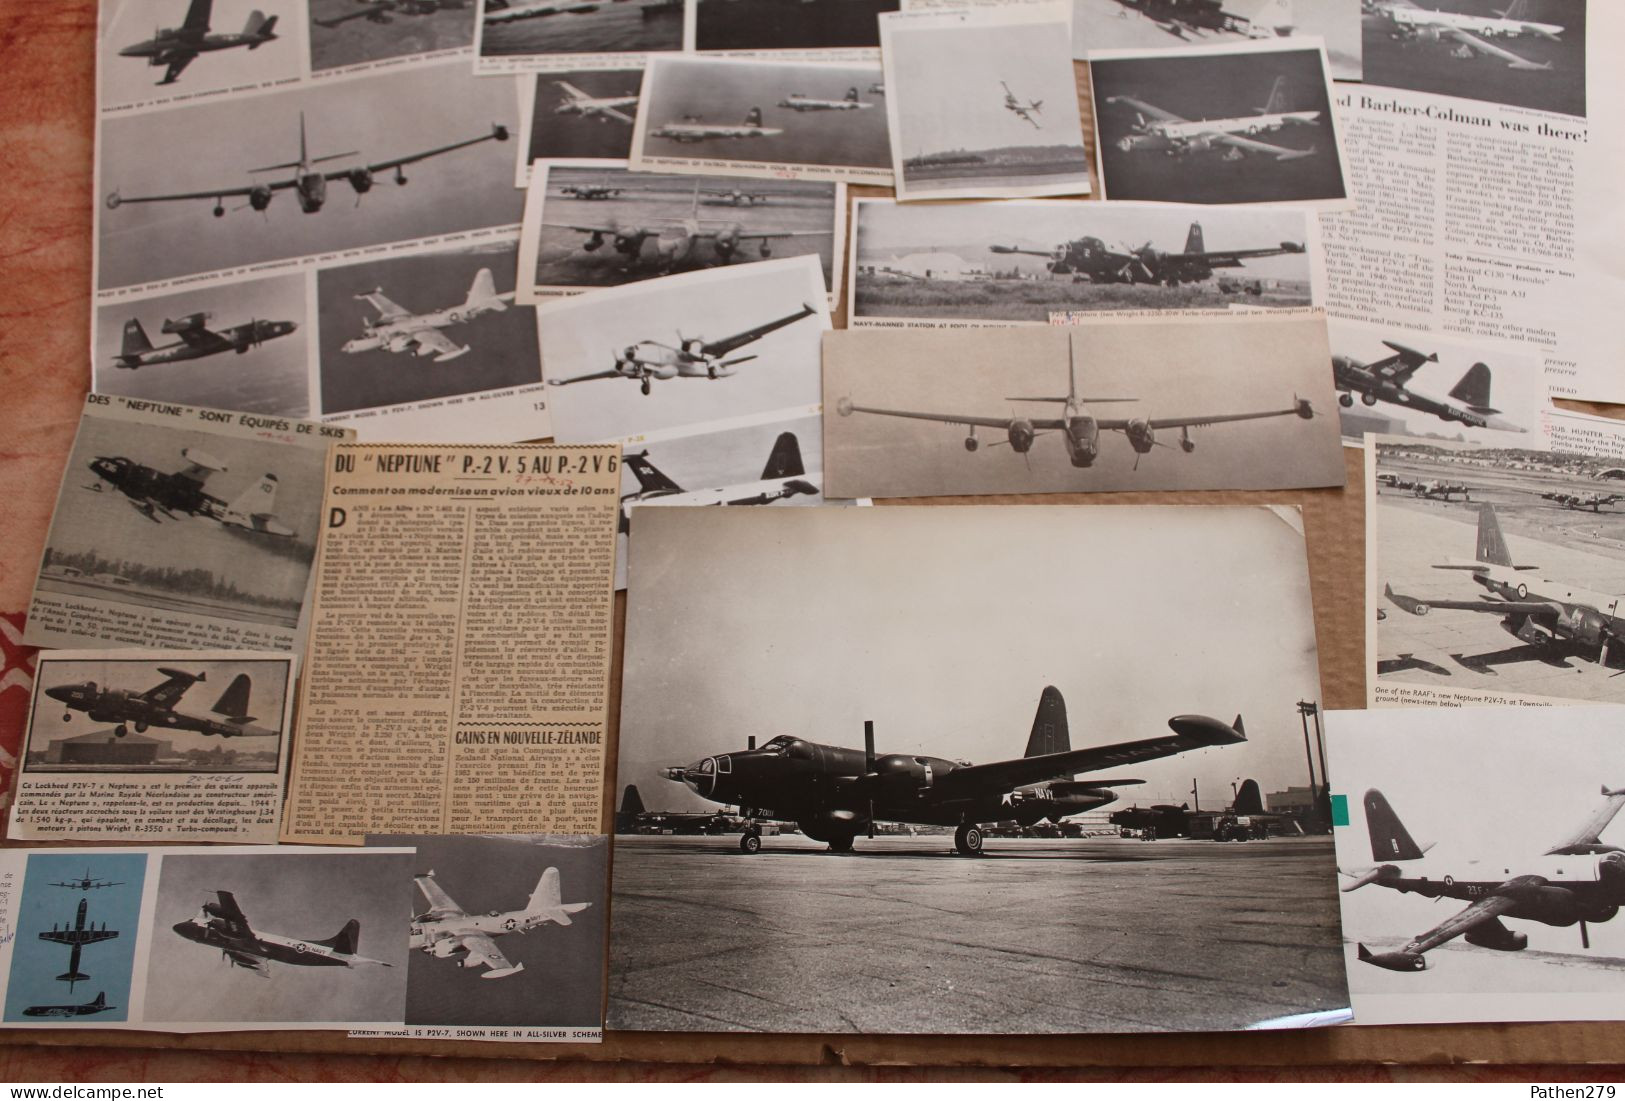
(1244, 124)
(585, 114)
(767, 25)
(1522, 53)
(1170, 24)
(357, 32)
(1021, 261)
(240, 345)
(1481, 880)
(164, 48)
(924, 678)
(407, 329)
(316, 171)
(1128, 405)
(684, 351)
(785, 114)
(271, 938)
(519, 31)
(138, 715)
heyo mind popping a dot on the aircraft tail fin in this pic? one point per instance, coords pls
(197, 15)
(1389, 838)
(785, 460)
(258, 26)
(1049, 733)
(1492, 546)
(546, 901)
(631, 803)
(1248, 798)
(100, 1001)
(852, 94)
(1277, 101)
(258, 499)
(753, 117)
(346, 940)
(649, 477)
(1193, 240)
(135, 340)
(233, 702)
(482, 293)
(1473, 390)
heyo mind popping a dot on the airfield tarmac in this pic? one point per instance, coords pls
(1033, 299)
(1458, 649)
(1099, 934)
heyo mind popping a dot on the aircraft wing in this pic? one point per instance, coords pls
(1473, 42)
(498, 133)
(168, 693)
(116, 200)
(227, 910)
(611, 373)
(436, 341)
(1198, 422)
(483, 952)
(178, 61)
(1253, 145)
(571, 92)
(1188, 733)
(1494, 607)
(441, 905)
(1002, 423)
(204, 338)
(1485, 911)
(1155, 113)
(771, 235)
(608, 231)
(739, 340)
(1588, 837)
(243, 959)
(388, 310)
(1230, 258)
(613, 113)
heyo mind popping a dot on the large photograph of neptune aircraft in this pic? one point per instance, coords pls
(944, 674)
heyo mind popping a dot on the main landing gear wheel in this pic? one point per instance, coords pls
(968, 840)
(120, 730)
(750, 843)
(646, 387)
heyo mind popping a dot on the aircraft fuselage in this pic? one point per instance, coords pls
(1352, 377)
(687, 132)
(763, 492)
(240, 338)
(172, 492)
(1081, 436)
(115, 705)
(268, 946)
(1415, 19)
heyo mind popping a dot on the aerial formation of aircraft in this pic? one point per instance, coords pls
(683, 244)
(795, 101)
(178, 47)
(228, 718)
(1389, 380)
(77, 938)
(1596, 502)
(693, 128)
(159, 496)
(498, 12)
(1538, 610)
(833, 794)
(1091, 258)
(1022, 111)
(222, 924)
(690, 357)
(309, 183)
(196, 340)
(1578, 881)
(84, 1009)
(447, 931)
(1190, 19)
(1468, 34)
(1155, 129)
(1080, 430)
(784, 477)
(399, 330)
(384, 11)
(602, 108)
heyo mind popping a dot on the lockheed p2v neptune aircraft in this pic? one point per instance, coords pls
(1155, 129)
(446, 931)
(174, 48)
(400, 330)
(222, 924)
(159, 496)
(158, 706)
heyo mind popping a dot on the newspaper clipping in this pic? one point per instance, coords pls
(138, 754)
(180, 939)
(181, 527)
(458, 669)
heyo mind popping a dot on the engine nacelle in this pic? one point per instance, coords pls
(185, 324)
(971, 443)
(1141, 435)
(694, 349)
(1186, 444)
(901, 775)
(260, 197)
(360, 179)
(594, 243)
(831, 824)
(1499, 938)
(1550, 906)
(1021, 436)
(765, 249)
(629, 244)
(1586, 625)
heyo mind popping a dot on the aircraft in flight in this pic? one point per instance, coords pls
(602, 108)
(222, 924)
(178, 47)
(384, 11)
(1080, 430)
(228, 718)
(447, 931)
(690, 357)
(87, 883)
(399, 330)
(1157, 129)
(1091, 258)
(159, 496)
(1596, 502)
(308, 182)
(1538, 610)
(833, 794)
(196, 340)
(1580, 880)
(795, 101)
(1197, 18)
(498, 12)
(694, 129)
(1389, 380)
(1469, 33)
(83, 933)
(784, 477)
(1023, 111)
(84, 1009)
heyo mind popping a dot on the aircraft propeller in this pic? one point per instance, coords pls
(869, 769)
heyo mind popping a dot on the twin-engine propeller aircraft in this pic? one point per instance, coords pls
(795, 101)
(833, 794)
(178, 47)
(784, 477)
(1156, 129)
(447, 931)
(1579, 502)
(159, 496)
(84, 1009)
(498, 12)
(690, 357)
(1389, 380)
(399, 330)
(1580, 880)
(591, 192)
(83, 933)
(222, 924)
(384, 11)
(1091, 258)
(602, 108)
(196, 340)
(1022, 111)
(1438, 490)
(308, 182)
(1080, 430)
(228, 718)
(695, 129)
(734, 196)
(1468, 33)
(1541, 611)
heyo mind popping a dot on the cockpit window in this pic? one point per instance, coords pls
(779, 746)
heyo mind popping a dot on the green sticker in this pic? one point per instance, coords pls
(1340, 810)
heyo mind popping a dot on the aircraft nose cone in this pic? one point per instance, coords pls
(1204, 729)
(63, 692)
